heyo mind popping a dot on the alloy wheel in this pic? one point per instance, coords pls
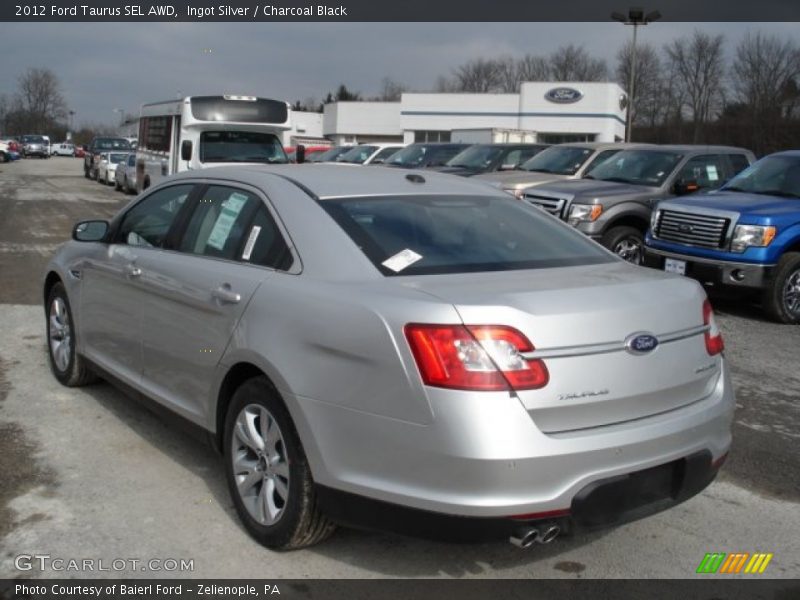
(260, 464)
(791, 293)
(60, 334)
(629, 249)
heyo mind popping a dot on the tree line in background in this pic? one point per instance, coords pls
(688, 91)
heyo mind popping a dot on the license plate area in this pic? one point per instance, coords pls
(672, 265)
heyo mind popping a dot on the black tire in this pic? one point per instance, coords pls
(781, 298)
(626, 242)
(301, 523)
(86, 171)
(74, 373)
(3, 157)
(117, 186)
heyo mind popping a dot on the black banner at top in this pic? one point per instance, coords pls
(392, 10)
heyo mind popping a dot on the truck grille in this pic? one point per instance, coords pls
(555, 206)
(691, 229)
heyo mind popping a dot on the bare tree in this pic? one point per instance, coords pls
(40, 96)
(391, 90)
(480, 76)
(697, 64)
(648, 93)
(508, 74)
(763, 67)
(533, 68)
(445, 85)
(573, 63)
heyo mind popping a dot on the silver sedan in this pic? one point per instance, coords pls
(400, 350)
(125, 174)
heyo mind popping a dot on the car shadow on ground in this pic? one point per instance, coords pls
(384, 554)
(745, 307)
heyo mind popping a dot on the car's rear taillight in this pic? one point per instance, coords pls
(714, 343)
(475, 357)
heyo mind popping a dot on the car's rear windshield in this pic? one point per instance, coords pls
(420, 235)
(112, 144)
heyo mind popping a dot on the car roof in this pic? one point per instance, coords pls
(605, 145)
(702, 148)
(791, 153)
(331, 181)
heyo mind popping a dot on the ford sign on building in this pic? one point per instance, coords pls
(548, 112)
(563, 95)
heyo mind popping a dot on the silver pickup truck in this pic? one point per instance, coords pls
(612, 203)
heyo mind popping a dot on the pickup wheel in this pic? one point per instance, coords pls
(782, 295)
(626, 242)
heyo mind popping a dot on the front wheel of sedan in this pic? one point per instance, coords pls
(626, 242)
(782, 294)
(67, 365)
(268, 473)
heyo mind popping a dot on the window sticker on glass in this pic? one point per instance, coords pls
(711, 170)
(251, 241)
(227, 217)
(401, 260)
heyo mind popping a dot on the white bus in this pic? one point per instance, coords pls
(204, 131)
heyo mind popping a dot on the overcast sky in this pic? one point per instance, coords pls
(103, 66)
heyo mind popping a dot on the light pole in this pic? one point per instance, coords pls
(634, 17)
(71, 114)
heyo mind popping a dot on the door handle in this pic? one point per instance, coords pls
(133, 271)
(225, 294)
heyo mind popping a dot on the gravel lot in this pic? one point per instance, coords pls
(89, 474)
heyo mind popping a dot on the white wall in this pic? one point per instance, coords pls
(598, 111)
(363, 118)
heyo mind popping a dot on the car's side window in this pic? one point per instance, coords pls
(265, 245)
(217, 226)
(739, 163)
(708, 171)
(148, 223)
(601, 157)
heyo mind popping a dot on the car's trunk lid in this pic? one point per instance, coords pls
(579, 320)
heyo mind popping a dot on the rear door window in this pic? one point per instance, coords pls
(709, 171)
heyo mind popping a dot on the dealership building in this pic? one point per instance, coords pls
(547, 112)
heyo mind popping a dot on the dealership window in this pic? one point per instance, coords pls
(565, 138)
(431, 136)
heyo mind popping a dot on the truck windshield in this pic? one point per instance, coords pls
(476, 157)
(773, 176)
(561, 160)
(637, 167)
(241, 146)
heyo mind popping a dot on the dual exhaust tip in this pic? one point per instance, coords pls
(542, 534)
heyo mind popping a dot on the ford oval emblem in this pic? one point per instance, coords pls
(641, 343)
(563, 95)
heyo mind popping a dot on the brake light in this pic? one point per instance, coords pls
(475, 357)
(713, 336)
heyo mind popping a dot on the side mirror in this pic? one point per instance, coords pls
(685, 187)
(300, 154)
(90, 231)
(186, 150)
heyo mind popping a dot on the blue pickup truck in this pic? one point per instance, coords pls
(744, 236)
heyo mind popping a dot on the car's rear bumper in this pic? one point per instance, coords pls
(603, 503)
(485, 457)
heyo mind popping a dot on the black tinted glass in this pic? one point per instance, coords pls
(459, 234)
(259, 110)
